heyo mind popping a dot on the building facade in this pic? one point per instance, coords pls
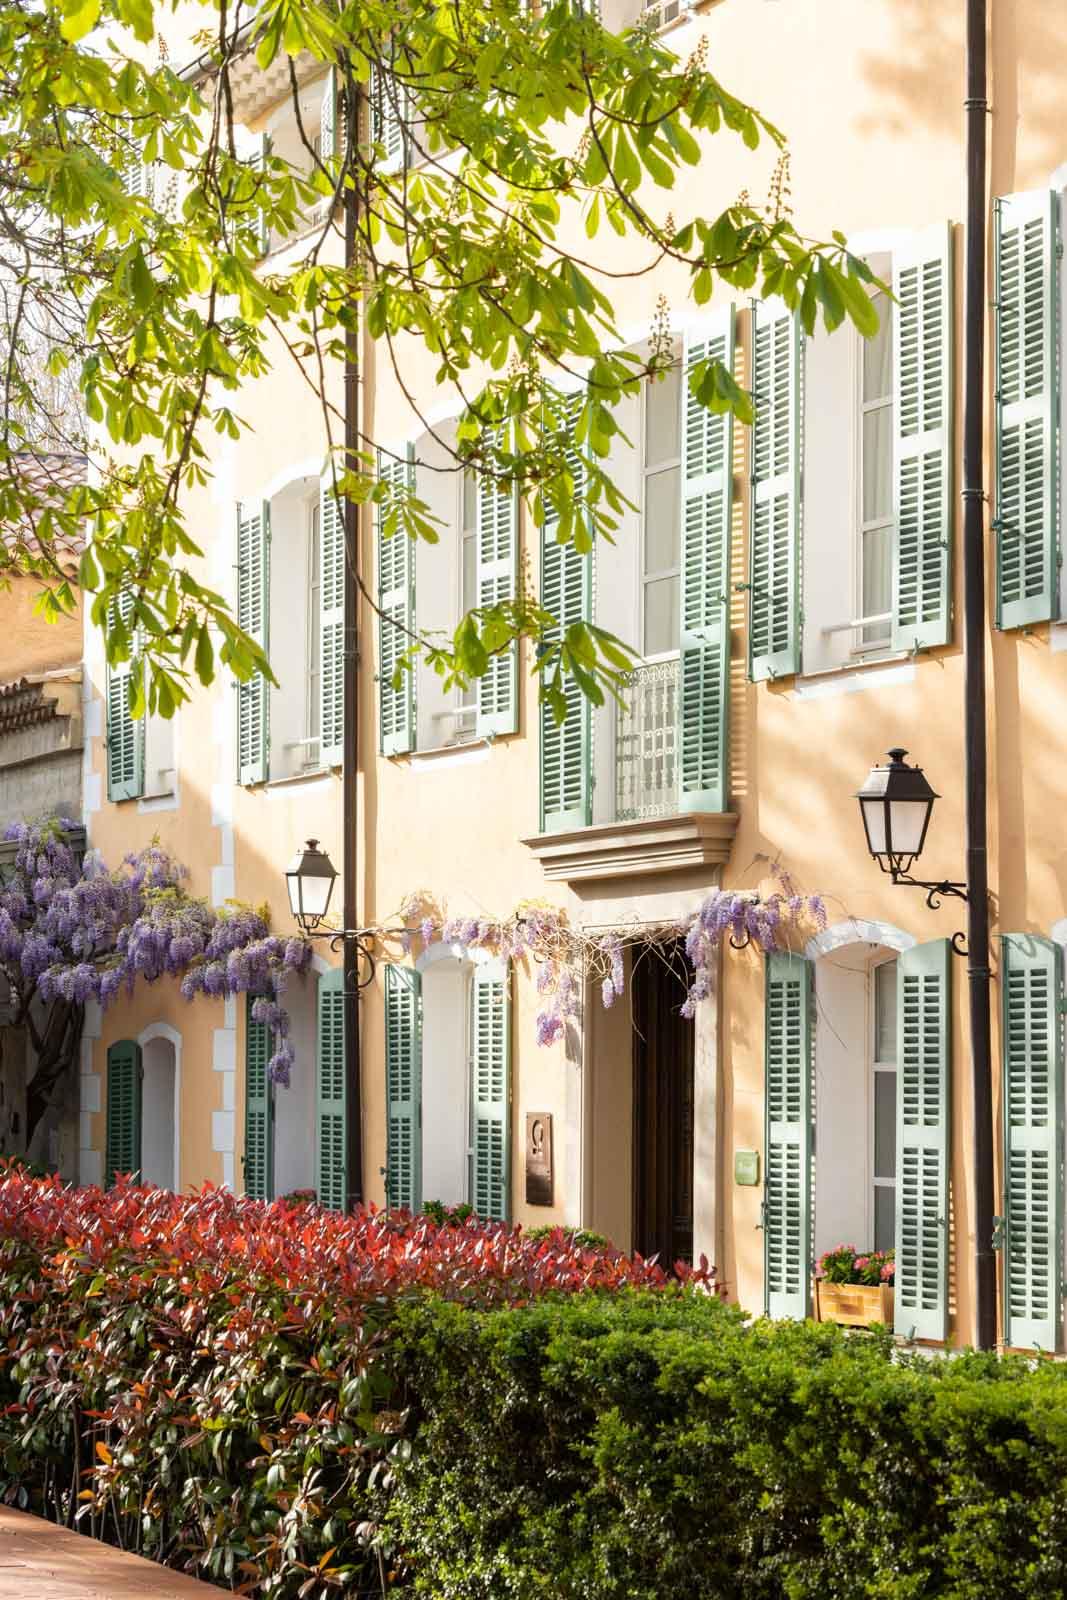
(794, 593)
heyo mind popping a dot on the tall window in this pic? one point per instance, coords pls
(661, 540)
(468, 589)
(884, 1051)
(876, 480)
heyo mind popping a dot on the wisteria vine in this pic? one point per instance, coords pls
(72, 930)
(567, 957)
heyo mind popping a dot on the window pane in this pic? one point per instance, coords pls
(877, 354)
(885, 1011)
(662, 531)
(877, 585)
(885, 1205)
(877, 463)
(662, 404)
(885, 1124)
(469, 596)
(661, 616)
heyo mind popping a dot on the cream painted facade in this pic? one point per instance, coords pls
(870, 97)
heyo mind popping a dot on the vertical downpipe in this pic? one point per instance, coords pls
(974, 633)
(350, 739)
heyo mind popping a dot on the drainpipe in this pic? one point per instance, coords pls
(350, 738)
(974, 636)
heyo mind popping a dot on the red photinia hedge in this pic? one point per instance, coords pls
(211, 1235)
(214, 1380)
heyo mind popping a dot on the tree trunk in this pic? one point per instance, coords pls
(56, 1048)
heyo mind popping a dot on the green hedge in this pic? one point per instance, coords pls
(644, 1445)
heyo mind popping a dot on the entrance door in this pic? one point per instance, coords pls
(663, 1108)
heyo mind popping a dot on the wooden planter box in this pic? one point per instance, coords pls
(856, 1305)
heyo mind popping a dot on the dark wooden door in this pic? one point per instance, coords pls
(663, 1109)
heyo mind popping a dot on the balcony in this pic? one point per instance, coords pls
(645, 738)
(649, 834)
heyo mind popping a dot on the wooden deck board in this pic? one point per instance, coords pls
(39, 1561)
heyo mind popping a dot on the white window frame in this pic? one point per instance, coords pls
(874, 1067)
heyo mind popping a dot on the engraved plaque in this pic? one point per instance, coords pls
(538, 1158)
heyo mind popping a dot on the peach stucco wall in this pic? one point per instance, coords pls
(869, 96)
(28, 643)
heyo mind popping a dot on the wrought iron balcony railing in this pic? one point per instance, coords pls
(646, 783)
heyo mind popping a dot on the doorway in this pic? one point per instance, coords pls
(663, 1106)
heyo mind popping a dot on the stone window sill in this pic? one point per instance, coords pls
(636, 849)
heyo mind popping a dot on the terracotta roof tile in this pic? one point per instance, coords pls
(47, 477)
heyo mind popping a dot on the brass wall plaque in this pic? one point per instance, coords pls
(538, 1158)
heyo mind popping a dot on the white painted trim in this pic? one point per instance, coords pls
(310, 468)
(1058, 932)
(163, 1030)
(878, 241)
(857, 930)
(852, 680)
(320, 966)
(440, 951)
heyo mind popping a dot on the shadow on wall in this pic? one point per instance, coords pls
(1027, 58)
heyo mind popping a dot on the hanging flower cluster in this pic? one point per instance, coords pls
(567, 957)
(74, 931)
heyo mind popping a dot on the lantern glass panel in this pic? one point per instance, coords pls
(907, 825)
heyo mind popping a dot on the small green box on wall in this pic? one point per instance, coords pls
(746, 1167)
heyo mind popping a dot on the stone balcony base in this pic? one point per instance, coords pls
(637, 849)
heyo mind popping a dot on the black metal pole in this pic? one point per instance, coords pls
(350, 740)
(974, 634)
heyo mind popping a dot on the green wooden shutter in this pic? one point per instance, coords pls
(787, 1183)
(491, 1091)
(496, 529)
(774, 503)
(396, 601)
(403, 1087)
(704, 614)
(922, 440)
(1025, 273)
(924, 1001)
(125, 735)
(331, 1121)
(123, 1152)
(253, 614)
(259, 1110)
(328, 118)
(566, 747)
(331, 623)
(260, 163)
(1032, 982)
(389, 108)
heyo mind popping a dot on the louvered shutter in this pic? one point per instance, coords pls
(328, 118)
(1025, 267)
(491, 1091)
(566, 747)
(396, 601)
(253, 611)
(125, 735)
(331, 1122)
(403, 1087)
(774, 514)
(922, 440)
(496, 535)
(1032, 983)
(331, 623)
(259, 1110)
(123, 1144)
(389, 108)
(787, 1183)
(704, 641)
(923, 1068)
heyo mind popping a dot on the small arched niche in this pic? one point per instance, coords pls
(160, 1091)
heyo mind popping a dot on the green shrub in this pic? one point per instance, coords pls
(640, 1445)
